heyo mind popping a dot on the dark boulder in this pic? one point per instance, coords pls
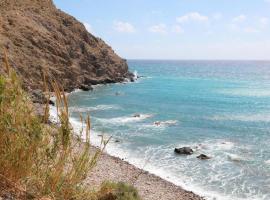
(132, 79)
(86, 88)
(51, 103)
(183, 151)
(203, 157)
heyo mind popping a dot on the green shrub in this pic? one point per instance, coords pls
(118, 191)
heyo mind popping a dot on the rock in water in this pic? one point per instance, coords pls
(184, 151)
(86, 87)
(39, 37)
(203, 157)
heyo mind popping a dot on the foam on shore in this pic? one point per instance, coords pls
(114, 149)
(125, 119)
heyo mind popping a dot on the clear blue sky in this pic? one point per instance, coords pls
(178, 29)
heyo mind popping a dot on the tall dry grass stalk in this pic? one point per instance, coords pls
(45, 160)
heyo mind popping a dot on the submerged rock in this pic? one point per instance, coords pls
(157, 123)
(203, 157)
(137, 115)
(51, 103)
(184, 151)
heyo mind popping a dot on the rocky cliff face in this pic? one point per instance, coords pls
(40, 37)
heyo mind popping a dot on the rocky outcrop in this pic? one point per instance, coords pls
(184, 151)
(39, 37)
(203, 157)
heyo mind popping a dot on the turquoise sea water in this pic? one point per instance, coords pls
(219, 108)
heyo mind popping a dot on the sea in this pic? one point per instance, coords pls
(218, 108)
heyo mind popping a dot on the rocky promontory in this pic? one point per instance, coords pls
(39, 37)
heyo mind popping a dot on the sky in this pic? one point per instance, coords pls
(178, 29)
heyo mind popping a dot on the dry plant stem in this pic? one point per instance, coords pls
(44, 160)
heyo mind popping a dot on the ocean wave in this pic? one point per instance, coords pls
(235, 157)
(223, 145)
(214, 145)
(126, 119)
(161, 169)
(161, 124)
(265, 117)
(267, 162)
(94, 108)
(166, 123)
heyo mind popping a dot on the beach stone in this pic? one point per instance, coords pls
(184, 151)
(203, 157)
(51, 103)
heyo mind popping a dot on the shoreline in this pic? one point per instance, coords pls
(149, 185)
(113, 168)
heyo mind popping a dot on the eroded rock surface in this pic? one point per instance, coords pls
(39, 37)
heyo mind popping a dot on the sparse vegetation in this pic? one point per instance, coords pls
(118, 191)
(42, 160)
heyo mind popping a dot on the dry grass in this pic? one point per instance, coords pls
(40, 160)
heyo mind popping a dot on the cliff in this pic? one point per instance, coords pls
(39, 37)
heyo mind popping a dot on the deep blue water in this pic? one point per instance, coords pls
(219, 108)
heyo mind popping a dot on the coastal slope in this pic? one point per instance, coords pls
(39, 37)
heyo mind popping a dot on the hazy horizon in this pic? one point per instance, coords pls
(202, 60)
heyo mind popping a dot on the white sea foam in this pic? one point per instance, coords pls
(94, 108)
(223, 145)
(235, 157)
(161, 124)
(138, 161)
(215, 145)
(169, 122)
(135, 75)
(126, 119)
(267, 162)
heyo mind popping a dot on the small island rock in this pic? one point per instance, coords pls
(86, 87)
(184, 151)
(203, 157)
